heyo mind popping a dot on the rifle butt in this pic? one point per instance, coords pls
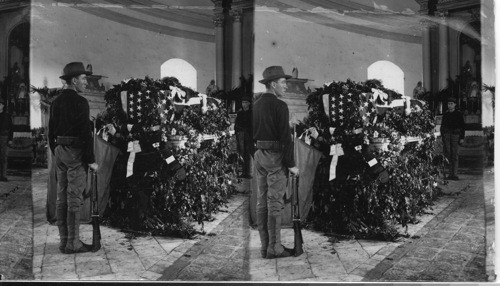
(297, 230)
(96, 231)
(96, 235)
(298, 242)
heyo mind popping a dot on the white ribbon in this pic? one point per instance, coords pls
(397, 103)
(105, 136)
(307, 140)
(326, 103)
(378, 94)
(314, 132)
(408, 105)
(306, 136)
(335, 150)
(170, 159)
(179, 92)
(204, 107)
(194, 100)
(372, 162)
(103, 133)
(123, 96)
(133, 147)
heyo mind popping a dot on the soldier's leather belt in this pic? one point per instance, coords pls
(453, 131)
(68, 141)
(268, 145)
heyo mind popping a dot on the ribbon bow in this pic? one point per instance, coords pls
(335, 150)
(133, 147)
(378, 94)
(175, 91)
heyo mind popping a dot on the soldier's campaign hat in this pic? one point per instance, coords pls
(74, 69)
(272, 73)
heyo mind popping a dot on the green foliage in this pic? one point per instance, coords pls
(209, 123)
(207, 186)
(40, 145)
(356, 202)
(417, 123)
(154, 199)
(46, 96)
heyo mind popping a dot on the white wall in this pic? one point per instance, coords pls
(391, 76)
(60, 35)
(324, 54)
(488, 58)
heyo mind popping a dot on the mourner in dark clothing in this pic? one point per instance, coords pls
(453, 133)
(5, 137)
(70, 140)
(274, 155)
(243, 129)
(212, 89)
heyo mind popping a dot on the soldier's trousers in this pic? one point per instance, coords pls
(71, 180)
(271, 184)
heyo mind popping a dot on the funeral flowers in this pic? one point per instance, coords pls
(354, 202)
(178, 176)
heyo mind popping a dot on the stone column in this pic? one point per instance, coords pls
(236, 55)
(444, 69)
(426, 55)
(219, 50)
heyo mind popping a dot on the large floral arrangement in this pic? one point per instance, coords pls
(157, 197)
(358, 201)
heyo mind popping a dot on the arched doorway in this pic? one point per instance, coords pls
(16, 89)
(16, 94)
(391, 75)
(182, 70)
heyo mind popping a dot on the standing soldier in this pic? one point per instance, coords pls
(70, 140)
(243, 128)
(453, 133)
(274, 155)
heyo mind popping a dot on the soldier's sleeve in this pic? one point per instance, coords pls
(51, 136)
(285, 136)
(86, 132)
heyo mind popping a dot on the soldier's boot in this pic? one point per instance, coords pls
(75, 245)
(62, 225)
(275, 249)
(263, 233)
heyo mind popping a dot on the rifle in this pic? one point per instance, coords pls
(297, 230)
(94, 206)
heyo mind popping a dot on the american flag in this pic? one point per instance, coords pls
(342, 109)
(139, 106)
(368, 112)
(165, 107)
